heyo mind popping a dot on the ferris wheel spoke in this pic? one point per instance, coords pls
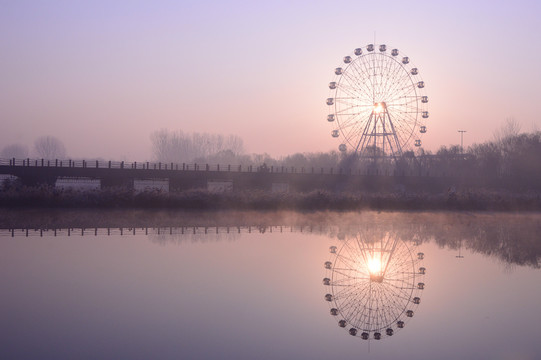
(400, 95)
(394, 78)
(347, 90)
(353, 305)
(356, 83)
(368, 72)
(345, 126)
(349, 84)
(345, 272)
(351, 296)
(341, 111)
(352, 118)
(401, 292)
(360, 94)
(403, 79)
(347, 294)
(386, 302)
(349, 103)
(385, 74)
(349, 280)
(346, 119)
(400, 90)
(350, 125)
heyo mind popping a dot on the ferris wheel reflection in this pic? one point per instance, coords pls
(373, 283)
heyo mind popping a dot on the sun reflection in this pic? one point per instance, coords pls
(374, 265)
(374, 283)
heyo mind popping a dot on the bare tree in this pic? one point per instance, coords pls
(160, 145)
(235, 144)
(511, 128)
(49, 147)
(178, 146)
(17, 151)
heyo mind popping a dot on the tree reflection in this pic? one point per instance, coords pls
(512, 238)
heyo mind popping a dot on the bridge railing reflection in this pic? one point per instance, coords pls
(182, 230)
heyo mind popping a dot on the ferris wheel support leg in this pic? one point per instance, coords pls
(362, 140)
(399, 148)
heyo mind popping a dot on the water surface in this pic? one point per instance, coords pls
(250, 286)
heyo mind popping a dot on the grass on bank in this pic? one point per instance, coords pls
(18, 196)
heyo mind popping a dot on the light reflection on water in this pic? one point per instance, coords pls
(250, 286)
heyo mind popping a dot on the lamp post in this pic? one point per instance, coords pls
(462, 141)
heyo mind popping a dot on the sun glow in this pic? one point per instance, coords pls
(374, 265)
(379, 107)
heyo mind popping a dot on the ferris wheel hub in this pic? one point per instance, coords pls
(376, 278)
(379, 107)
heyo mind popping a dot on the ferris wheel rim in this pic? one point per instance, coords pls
(349, 89)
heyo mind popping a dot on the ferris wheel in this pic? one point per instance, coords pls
(374, 284)
(377, 103)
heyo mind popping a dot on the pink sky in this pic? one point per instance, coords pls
(102, 77)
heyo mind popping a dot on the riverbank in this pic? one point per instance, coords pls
(121, 198)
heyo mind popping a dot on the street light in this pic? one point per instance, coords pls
(461, 140)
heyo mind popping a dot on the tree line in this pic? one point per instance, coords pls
(44, 147)
(510, 154)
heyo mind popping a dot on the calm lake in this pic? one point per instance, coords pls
(244, 285)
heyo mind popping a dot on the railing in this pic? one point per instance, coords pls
(169, 230)
(99, 164)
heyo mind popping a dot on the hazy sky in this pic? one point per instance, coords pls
(102, 75)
